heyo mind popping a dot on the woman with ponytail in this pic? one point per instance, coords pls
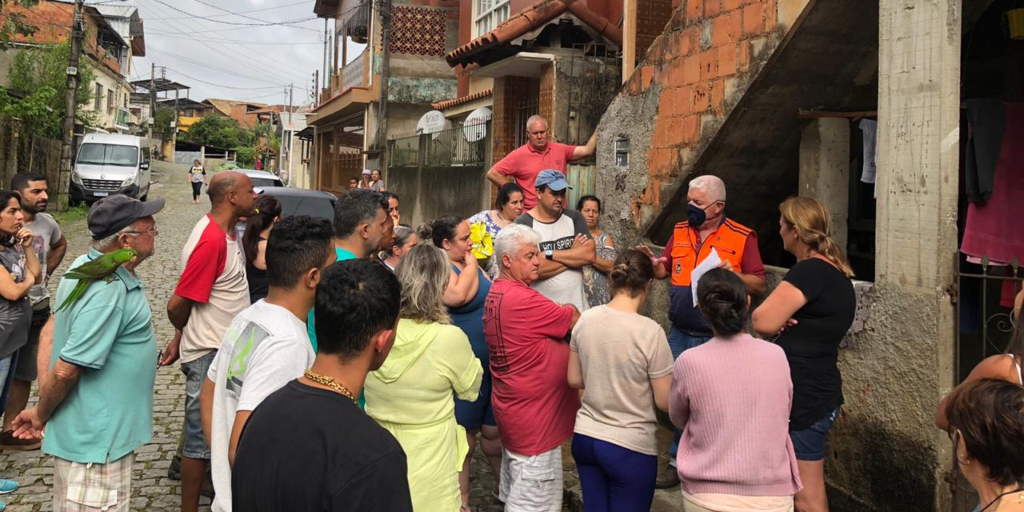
(254, 244)
(808, 315)
(623, 360)
(731, 398)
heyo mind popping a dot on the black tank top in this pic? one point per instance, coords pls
(259, 283)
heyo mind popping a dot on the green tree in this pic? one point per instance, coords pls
(36, 71)
(218, 131)
(162, 122)
(14, 22)
(246, 157)
(34, 111)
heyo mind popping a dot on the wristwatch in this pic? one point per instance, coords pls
(549, 254)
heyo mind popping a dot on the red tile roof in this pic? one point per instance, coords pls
(441, 105)
(529, 19)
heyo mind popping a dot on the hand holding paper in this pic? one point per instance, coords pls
(711, 262)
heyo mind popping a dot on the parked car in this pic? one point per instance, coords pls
(110, 164)
(299, 201)
(262, 179)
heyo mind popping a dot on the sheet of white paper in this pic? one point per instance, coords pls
(702, 268)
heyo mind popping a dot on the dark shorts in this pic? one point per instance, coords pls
(195, 446)
(809, 444)
(471, 415)
(27, 369)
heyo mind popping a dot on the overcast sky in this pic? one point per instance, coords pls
(236, 55)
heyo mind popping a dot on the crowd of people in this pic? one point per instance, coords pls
(357, 363)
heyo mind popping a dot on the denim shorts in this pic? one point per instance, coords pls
(195, 446)
(809, 444)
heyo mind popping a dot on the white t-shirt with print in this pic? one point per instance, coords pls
(567, 287)
(45, 232)
(265, 347)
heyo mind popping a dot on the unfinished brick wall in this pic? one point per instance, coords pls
(510, 93)
(698, 62)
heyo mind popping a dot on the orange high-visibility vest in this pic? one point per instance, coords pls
(687, 250)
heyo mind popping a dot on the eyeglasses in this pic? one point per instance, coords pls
(150, 231)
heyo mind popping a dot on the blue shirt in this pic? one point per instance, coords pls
(342, 255)
(108, 334)
(311, 322)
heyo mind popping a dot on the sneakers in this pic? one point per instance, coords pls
(9, 442)
(668, 475)
(8, 486)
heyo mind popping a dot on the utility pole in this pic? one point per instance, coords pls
(174, 124)
(152, 98)
(385, 75)
(280, 143)
(68, 135)
(291, 128)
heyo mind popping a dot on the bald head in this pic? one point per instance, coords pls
(230, 189)
(223, 183)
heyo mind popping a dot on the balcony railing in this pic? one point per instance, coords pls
(354, 74)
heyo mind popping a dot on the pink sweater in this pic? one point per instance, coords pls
(731, 397)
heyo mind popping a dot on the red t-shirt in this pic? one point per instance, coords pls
(525, 163)
(532, 400)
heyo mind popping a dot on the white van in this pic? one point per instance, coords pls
(110, 164)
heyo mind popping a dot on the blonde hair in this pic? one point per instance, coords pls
(423, 273)
(813, 224)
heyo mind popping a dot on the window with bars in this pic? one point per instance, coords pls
(490, 14)
(111, 102)
(97, 99)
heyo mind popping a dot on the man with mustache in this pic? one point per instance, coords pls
(565, 242)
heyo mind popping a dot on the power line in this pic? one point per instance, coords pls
(229, 12)
(222, 51)
(173, 35)
(208, 66)
(287, 24)
(248, 17)
(226, 86)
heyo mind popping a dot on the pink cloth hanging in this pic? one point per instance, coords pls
(993, 227)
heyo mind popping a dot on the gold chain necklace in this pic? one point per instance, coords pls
(331, 383)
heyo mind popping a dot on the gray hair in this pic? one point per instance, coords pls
(711, 185)
(402, 235)
(423, 274)
(534, 118)
(513, 237)
(110, 242)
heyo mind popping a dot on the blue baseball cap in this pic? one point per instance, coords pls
(555, 180)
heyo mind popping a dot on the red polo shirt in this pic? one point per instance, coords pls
(525, 163)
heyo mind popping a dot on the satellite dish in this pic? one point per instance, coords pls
(475, 126)
(432, 122)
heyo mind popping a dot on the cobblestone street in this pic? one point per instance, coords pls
(151, 489)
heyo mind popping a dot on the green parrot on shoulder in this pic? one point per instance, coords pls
(99, 268)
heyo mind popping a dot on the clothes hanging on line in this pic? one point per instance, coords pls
(992, 228)
(869, 129)
(986, 120)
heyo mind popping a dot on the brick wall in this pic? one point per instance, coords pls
(698, 62)
(547, 97)
(510, 93)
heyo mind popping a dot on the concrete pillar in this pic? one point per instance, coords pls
(825, 169)
(916, 240)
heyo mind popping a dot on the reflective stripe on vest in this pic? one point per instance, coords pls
(729, 240)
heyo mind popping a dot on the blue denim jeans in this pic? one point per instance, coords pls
(7, 366)
(678, 342)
